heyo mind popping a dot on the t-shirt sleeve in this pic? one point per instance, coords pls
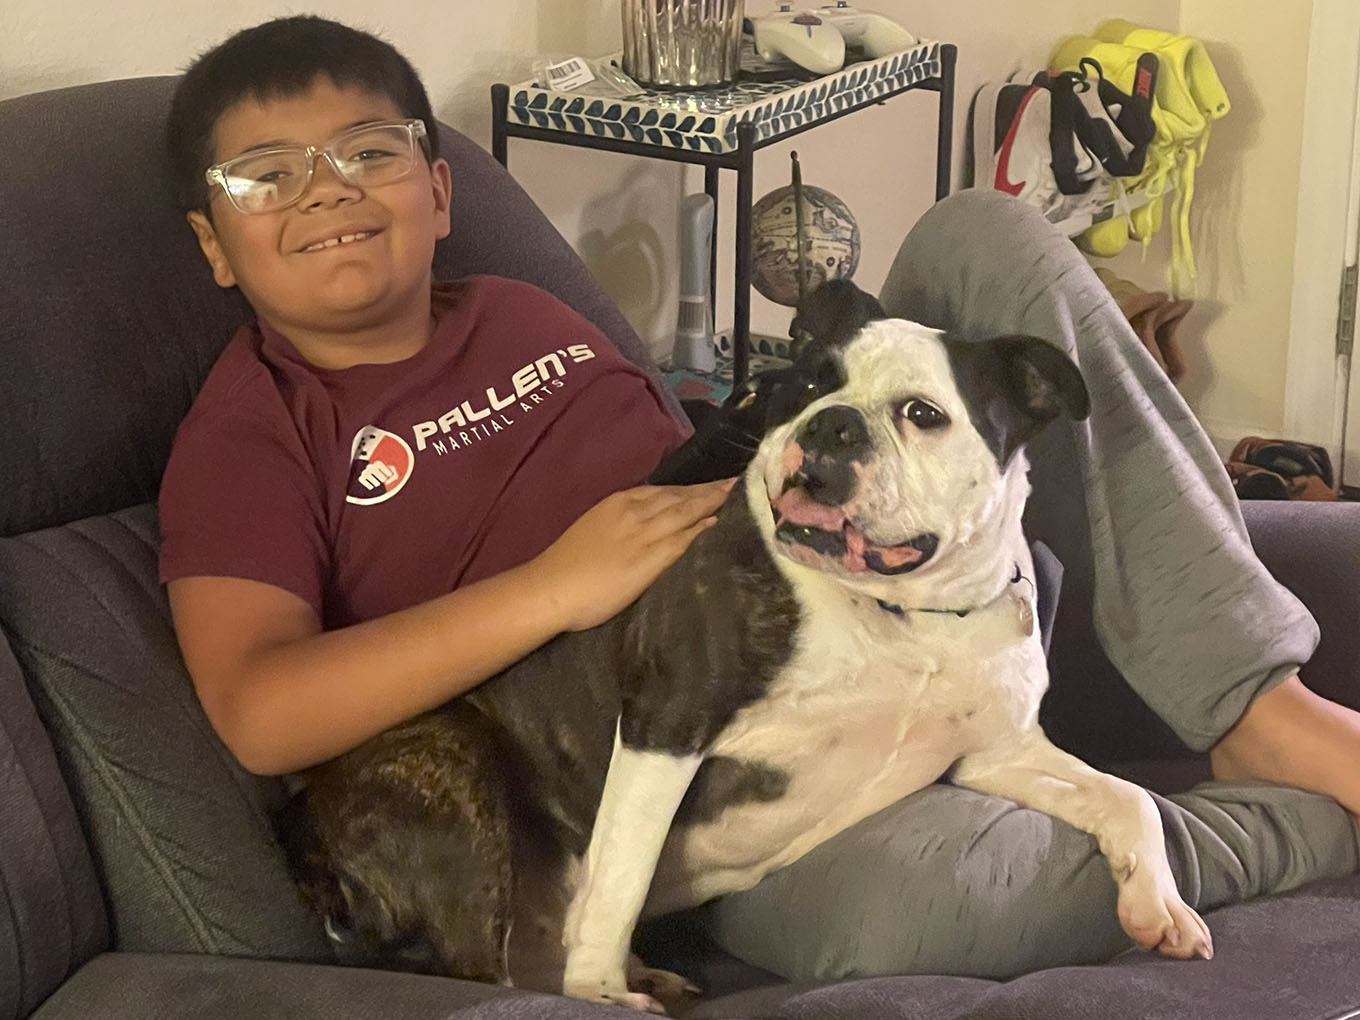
(237, 501)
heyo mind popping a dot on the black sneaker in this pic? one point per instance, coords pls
(1094, 119)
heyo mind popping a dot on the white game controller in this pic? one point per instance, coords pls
(816, 39)
(802, 37)
(873, 33)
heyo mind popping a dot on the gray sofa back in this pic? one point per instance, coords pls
(110, 323)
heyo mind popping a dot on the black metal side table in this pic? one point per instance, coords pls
(722, 128)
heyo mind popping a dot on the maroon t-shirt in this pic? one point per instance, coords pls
(369, 489)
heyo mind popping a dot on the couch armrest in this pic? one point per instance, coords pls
(1313, 549)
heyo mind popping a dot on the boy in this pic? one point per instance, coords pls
(372, 582)
(377, 576)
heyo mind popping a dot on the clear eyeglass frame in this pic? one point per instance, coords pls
(268, 180)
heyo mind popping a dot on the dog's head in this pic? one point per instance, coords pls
(914, 461)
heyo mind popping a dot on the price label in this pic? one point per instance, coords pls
(568, 74)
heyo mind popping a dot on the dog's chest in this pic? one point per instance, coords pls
(871, 707)
(864, 678)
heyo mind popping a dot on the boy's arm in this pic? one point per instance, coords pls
(283, 694)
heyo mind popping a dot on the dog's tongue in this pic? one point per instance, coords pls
(855, 553)
(797, 507)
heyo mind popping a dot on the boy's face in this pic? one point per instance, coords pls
(302, 289)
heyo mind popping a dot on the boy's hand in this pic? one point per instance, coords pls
(618, 547)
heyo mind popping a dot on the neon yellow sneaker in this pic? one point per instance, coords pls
(1185, 60)
(1191, 96)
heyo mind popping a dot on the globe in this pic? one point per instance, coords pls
(832, 242)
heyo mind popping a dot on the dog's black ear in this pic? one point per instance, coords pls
(831, 315)
(1014, 386)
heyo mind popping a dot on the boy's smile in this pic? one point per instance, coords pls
(333, 242)
(344, 272)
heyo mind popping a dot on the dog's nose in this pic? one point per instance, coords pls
(839, 432)
(832, 441)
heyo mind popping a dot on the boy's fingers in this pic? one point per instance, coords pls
(699, 502)
(680, 540)
(662, 511)
(710, 494)
(713, 493)
(648, 493)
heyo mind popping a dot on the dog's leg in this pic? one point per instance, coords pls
(641, 793)
(1119, 814)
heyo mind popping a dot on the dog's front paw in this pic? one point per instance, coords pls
(595, 981)
(1153, 914)
(640, 1001)
(673, 991)
(598, 991)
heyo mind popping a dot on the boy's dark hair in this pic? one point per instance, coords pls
(276, 60)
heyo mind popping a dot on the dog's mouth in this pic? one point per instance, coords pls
(815, 531)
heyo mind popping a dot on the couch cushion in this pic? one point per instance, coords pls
(51, 908)
(179, 830)
(139, 986)
(1290, 957)
(1278, 958)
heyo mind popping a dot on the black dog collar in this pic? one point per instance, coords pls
(888, 607)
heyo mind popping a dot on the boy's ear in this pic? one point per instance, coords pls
(441, 180)
(211, 248)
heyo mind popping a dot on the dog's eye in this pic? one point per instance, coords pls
(924, 415)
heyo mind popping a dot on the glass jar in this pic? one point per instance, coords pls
(682, 44)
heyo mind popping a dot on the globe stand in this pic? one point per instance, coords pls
(801, 237)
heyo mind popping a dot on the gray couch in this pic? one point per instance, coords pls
(138, 876)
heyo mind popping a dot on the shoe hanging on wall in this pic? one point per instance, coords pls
(1033, 140)
(1188, 97)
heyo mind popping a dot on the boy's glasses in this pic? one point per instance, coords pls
(272, 179)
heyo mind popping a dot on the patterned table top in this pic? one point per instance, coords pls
(705, 120)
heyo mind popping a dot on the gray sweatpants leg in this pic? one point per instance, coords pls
(951, 881)
(1135, 496)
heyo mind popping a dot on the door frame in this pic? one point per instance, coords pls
(1327, 225)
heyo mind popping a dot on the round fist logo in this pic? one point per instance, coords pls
(380, 463)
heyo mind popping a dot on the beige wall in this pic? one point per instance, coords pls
(619, 212)
(1244, 217)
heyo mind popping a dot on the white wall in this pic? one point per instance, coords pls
(619, 212)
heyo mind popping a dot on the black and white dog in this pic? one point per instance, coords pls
(859, 624)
